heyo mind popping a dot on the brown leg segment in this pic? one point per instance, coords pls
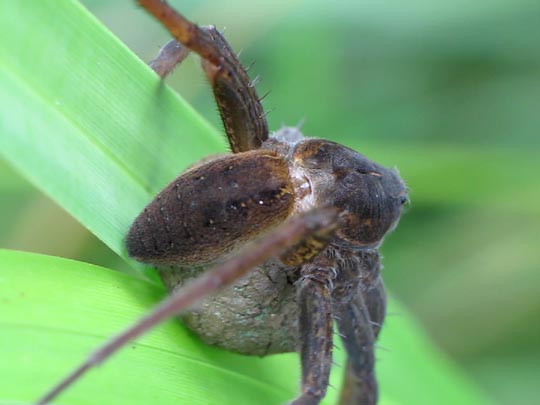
(237, 100)
(315, 326)
(376, 305)
(360, 321)
(360, 386)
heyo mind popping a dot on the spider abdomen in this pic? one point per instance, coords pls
(257, 315)
(211, 209)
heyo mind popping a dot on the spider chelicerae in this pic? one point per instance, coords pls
(263, 249)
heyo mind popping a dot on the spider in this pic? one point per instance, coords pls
(263, 249)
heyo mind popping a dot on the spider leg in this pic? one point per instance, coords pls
(315, 331)
(240, 107)
(360, 303)
(290, 233)
(354, 324)
(376, 305)
(170, 55)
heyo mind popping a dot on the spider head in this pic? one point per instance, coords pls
(369, 195)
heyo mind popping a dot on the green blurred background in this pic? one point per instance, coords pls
(447, 92)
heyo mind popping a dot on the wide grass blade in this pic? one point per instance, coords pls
(55, 311)
(86, 121)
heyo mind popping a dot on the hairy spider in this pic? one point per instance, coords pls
(312, 212)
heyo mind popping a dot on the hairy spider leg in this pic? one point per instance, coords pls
(315, 327)
(376, 304)
(239, 105)
(359, 322)
(358, 340)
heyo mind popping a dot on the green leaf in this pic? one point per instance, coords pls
(86, 121)
(90, 125)
(55, 311)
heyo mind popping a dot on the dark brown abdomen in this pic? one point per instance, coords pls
(212, 209)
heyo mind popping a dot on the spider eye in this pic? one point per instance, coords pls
(403, 199)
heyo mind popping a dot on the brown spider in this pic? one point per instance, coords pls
(312, 212)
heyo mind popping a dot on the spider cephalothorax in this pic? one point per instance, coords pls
(311, 212)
